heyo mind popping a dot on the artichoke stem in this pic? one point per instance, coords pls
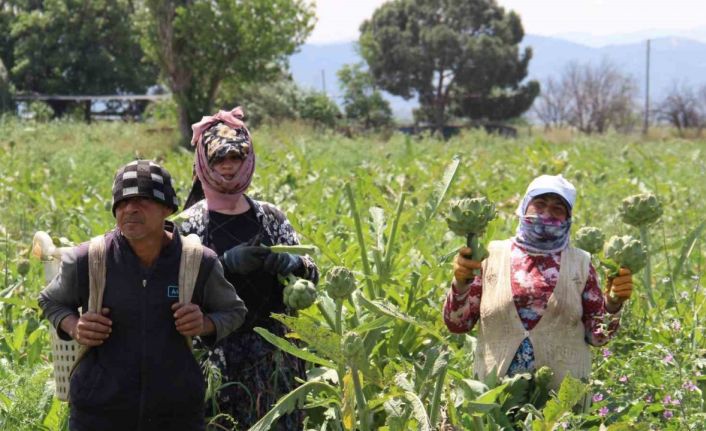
(472, 242)
(647, 274)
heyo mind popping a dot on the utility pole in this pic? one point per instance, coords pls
(323, 80)
(646, 126)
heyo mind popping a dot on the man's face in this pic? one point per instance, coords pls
(139, 217)
(549, 204)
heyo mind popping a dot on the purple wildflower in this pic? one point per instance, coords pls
(667, 414)
(689, 386)
(603, 411)
(668, 359)
(597, 397)
(607, 353)
(623, 379)
(676, 326)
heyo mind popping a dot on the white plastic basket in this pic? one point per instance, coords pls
(65, 354)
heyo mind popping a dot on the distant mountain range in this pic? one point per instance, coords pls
(674, 60)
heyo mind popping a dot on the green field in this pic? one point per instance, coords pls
(57, 177)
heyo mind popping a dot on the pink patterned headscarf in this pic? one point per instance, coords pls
(222, 194)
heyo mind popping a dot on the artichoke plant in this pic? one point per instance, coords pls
(641, 210)
(352, 347)
(626, 251)
(340, 282)
(299, 294)
(469, 218)
(590, 239)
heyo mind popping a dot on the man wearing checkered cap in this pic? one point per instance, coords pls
(139, 373)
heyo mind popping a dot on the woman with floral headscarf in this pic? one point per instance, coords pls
(537, 300)
(255, 373)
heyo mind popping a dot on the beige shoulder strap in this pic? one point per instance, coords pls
(96, 273)
(191, 253)
(96, 285)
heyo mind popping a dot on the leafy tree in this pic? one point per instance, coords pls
(319, 109)
(270, 102)
(457, 56)
(6, 90)
(73, 47)
(198, 44)
(362, 101)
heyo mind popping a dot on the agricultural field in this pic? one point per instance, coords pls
(383, 359)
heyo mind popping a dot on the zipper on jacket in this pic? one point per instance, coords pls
(144, 283)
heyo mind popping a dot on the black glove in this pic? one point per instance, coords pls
(244, 259)
(282, 263)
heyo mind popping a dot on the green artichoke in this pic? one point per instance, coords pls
(589, 238)
(300, 294)
(627, 252)
(470, 218)
(23, 267)
(340, 282)
(353, 347)
(641, 210)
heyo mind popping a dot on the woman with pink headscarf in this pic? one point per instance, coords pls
(255, 373)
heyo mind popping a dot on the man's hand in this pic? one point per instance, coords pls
(463, 267)
(91, 329)
(190, 321)
(619, 289)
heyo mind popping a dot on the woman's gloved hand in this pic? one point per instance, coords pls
(244, 259)
(619, 289)
(282, 263)
(464, 267)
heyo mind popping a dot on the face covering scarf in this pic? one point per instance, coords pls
(221, 193)
(542, 235)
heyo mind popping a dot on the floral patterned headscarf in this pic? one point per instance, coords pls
(215, 137)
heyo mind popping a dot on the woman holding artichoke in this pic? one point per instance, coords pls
(255, 373)
(536, 299)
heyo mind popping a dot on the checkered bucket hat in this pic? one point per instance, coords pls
(147, 179)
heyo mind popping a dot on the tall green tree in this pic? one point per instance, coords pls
(73, 47)
(198, 44)
(458, 57)
(362, 100)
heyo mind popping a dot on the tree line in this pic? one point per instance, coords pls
(598, 98)
(459, 58)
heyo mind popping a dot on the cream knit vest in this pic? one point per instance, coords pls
(558, 338)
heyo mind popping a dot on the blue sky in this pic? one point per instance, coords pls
(338, 20)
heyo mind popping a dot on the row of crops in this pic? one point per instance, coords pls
(380, 356)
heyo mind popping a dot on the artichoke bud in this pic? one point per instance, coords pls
(590, 239)
(23, 267)
(470, 216)
(300, 294)
(641, 210)
(627, 252)
(352, 347)
(340, 282)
